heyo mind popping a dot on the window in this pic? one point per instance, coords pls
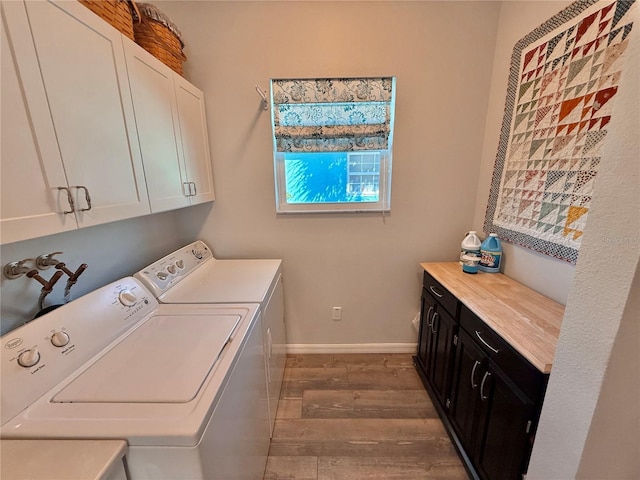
(332, 144)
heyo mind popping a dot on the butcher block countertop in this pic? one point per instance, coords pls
(527, 320)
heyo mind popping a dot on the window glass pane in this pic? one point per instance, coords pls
(332, 177)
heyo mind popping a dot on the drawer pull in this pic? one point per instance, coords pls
(483, 397)
(433, 323)
(473, 374)
(435, 292)
(494, 350)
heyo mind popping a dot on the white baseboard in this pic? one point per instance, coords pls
(352, 348)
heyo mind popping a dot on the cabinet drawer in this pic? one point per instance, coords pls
(527, 377)
(441, 294)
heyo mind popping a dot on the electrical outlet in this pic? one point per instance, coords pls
(336, 313)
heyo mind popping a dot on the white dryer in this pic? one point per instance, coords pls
(193, 275)
(182, 384)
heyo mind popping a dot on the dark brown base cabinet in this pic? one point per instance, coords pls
(488, 395)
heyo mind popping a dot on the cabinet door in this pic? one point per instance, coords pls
(82, 63)
(425, 335)
(156, 113)
(32, 171)
(469, 368)
(441, 358)
(503, 428)
(194, 140)
(275, 348)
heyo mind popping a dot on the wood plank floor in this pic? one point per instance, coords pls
(358, 416)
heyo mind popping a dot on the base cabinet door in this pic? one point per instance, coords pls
(470, 363)
(443, 327)
(275, 338)
(425, 335)
(504, 426)
(490, 415)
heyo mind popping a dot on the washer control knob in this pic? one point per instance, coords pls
(29, 358)
(197, 253)
(180, 264)
(59, 339)
(127, 298)
(171, 269)
(162, 275)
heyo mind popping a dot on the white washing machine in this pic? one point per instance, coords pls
(182, 384)
(193, 275)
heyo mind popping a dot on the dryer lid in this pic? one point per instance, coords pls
(166, 360)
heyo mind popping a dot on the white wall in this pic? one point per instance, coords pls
(441, 54)
(544, 274)
(590, 425)
(111, 251)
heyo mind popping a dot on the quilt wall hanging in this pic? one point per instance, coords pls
(563, 81)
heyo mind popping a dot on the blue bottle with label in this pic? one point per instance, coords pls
(490, 254)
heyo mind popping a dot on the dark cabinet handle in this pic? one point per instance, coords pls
(494, 350)
(435, 292)
(483, 397)
(473, 374)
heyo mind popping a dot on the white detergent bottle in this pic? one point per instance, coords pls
(470, 245)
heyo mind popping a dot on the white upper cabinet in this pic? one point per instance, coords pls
(70, 155)
(85, 77)
(154, 103)
(73, 147)
(32, 170)
(195, 144)
(172, 130)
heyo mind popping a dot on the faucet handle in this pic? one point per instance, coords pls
(13, 270)
(47, 260)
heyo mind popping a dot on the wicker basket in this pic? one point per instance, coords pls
(115, 12)
(160, 37)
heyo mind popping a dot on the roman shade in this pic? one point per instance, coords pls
(332, 114)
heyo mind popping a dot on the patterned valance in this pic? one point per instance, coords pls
(326, 115)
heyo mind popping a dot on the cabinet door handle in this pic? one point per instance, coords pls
(195, 189)
(69, 199)
(433, 323)
(483, 397)
(435, 292)
(494, 350)
(473, 374)
(87, 197)
(429, 320)
(186, 189)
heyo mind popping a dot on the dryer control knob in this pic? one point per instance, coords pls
(59, 339)
(29, 358)
(127, 298)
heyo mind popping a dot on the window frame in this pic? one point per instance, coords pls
(384, 194)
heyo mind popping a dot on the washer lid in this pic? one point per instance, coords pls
(165, 360)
